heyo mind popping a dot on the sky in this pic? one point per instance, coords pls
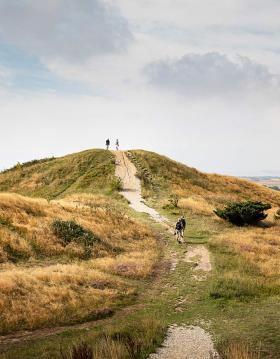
(196, 80)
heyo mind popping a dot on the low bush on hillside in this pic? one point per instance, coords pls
(277, 214)
(242, 213)
(70, 231)
(116, 184)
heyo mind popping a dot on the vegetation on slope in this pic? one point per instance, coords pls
(243, 213)
(238, 303)
(162, 177)
(48, 280)
(91, 171)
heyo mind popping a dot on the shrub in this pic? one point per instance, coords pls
(116, 184)
(70, 231)
(277, 214)
(173, 202)
(242, 213)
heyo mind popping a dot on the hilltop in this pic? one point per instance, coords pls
(93, 171)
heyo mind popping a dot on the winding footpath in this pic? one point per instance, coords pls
(182, 342)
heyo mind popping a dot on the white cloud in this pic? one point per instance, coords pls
(68, 29)
(201, 13)
(89, 42)
(212, 74)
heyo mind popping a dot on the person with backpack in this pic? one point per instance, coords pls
(179, 231)
(117, 145)
(107, 144)
(184, 223)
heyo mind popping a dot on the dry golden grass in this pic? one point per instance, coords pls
(170, 177)
(259, 246)
(197, 205)
(136, 264)
(240, 350)
(26, 226)
(34, 292)
(88, 171)
(130, 341)
(57, 294)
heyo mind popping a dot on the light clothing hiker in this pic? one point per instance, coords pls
(117, 145)
(107, 144)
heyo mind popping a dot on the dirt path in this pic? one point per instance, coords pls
(25, 336)
(200, 258)
(126, 171)
(181, 342)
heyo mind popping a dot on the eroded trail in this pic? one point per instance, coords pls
(126, 171)
(182, 342)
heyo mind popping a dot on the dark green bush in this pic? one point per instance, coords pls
(242, 213)
(70, 231)
(116, 184)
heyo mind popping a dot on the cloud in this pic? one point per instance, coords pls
(68, 29)
(201, 13)
(211, 74)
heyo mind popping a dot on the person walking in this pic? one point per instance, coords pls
(107, 144)
(184, 223)
(117, 145)
(179, 231)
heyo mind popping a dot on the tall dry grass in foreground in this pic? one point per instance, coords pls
(239, 350)
(135, 340)
(34, 291)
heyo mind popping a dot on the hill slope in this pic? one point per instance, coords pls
(93, 171)
(89, 171)
(68, 261)
(80, 257)
(162, 177)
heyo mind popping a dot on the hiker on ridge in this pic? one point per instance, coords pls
(117, 145)
(107, 144)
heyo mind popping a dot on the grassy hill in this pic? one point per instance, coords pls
(89, 171)
(93, 171)
(71, 251)
(163, 177)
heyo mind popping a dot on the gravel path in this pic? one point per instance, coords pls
(186, 343)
